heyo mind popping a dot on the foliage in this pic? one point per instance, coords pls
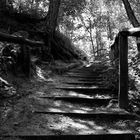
(72, 7)
(12, 56)
(111, 78)
(6, 59)
(135, 4)
(66, 47)
(33, 7)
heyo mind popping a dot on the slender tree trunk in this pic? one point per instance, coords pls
(130, 13)
(97, 43)
(109, 30)
(91, 38)
(89, 30)
(132, 18)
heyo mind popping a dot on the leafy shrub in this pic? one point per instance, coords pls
(111, 78)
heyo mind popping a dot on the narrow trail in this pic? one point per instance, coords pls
(83, 107)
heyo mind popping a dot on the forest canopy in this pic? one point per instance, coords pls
(95, 22)
(86, 27)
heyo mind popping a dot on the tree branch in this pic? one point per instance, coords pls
(20, 40)
(130, 13)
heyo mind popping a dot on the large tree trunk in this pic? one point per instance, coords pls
(50, 24)
(52, 16)
(132, 18)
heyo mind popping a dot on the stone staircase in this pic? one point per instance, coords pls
(89, 110)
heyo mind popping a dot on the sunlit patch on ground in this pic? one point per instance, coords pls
(58, 124)
(40, 75)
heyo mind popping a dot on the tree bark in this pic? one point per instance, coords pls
(50, 25)
(19, 40)
(98, 42)
(91, 38)
(52, 16)
(132, 18)
(109, 30)
(130, 13)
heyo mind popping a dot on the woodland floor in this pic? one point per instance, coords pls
(17, 114)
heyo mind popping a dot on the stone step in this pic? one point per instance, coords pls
(86, 77)
(86, 72)
(89, 69)
(92, 101)
(49, 106)
(94, 68)
(121, 136)
(85, 83)
(91, 89)
(80, 85)
(88, 115)
(83, 74)
(90, 80)
(90, 95)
